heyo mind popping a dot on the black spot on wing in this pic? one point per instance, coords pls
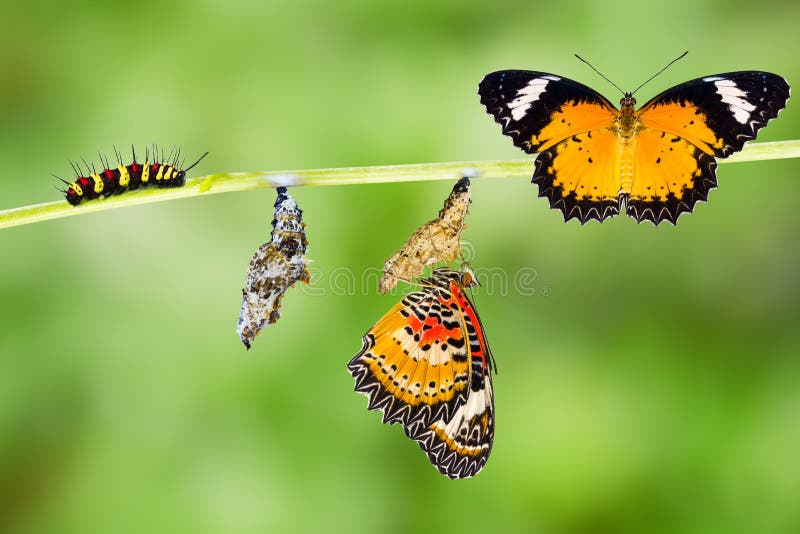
(500, 88)
(656, 210)
(766, 91)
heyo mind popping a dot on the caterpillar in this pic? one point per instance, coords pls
(118, 180)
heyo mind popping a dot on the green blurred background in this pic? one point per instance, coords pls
(649, 383)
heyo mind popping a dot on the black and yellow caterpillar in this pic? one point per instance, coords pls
(118, 180)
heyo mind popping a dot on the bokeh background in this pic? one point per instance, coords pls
(648, 377)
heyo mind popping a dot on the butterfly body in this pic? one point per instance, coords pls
(626, 123)
(657, 161)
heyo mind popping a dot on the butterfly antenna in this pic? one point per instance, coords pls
(659, 72)
(196, 162)
(601, 74)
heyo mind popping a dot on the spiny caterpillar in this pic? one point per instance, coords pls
(118, 180)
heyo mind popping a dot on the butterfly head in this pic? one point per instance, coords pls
(627, 101)
(467, 276)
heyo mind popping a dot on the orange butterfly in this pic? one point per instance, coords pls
(658, 160)
(426, 365)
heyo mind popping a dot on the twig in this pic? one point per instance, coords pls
(245, 181)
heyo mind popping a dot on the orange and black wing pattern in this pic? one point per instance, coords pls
(538, 110)
(658, 160)
(414, 362)
(668, 176)
(682, 131)
(425, 365)
(459, 446)
(719, 113)
(567, 124)
(580, 176)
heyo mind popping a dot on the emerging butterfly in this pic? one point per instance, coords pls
(426, 365)
(658, 160)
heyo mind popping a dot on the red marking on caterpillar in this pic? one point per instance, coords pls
(163, 172)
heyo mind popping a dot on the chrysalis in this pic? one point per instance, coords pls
(436, 241)
(275, 267)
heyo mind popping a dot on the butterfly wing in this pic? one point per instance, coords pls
(670, 175)
(685, 127)
(414, 363)
(580, 175)
(459, 445)
(718, 114)
(538, 110)
(567, 124)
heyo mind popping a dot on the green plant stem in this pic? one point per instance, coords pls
(245, 181)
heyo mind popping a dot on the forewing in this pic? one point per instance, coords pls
(413, 365)
(670, 176)
(538, 110)
(718, 114)
(459, 445)
(580, 176)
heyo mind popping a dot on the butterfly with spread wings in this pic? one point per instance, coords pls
(658, 160)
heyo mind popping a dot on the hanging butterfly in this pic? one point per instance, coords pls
(426, 365)
(657, 160)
